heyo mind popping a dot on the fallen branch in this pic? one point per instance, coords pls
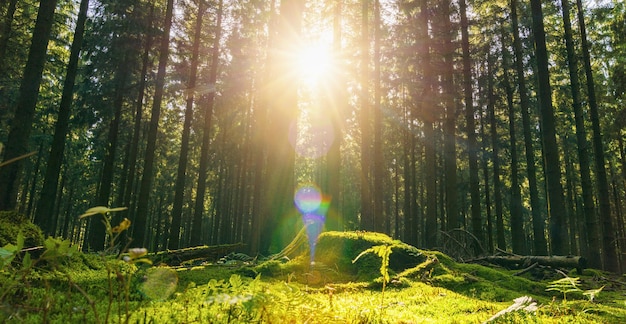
(523, 271)
(518, 262)
(208, 253)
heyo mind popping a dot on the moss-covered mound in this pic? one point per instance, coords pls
(339, 249)
(12, 223)
(334, 253)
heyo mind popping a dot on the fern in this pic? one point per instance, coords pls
(383, 252)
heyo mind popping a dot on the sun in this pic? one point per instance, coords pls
(314, 63)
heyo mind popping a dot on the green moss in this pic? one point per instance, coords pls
(12, 223)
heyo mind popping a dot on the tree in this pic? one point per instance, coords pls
(378, 168)
(177, 210)
(17, 142)
(610, 260)
(470, 125)
(518, 240)
(449, 125)
(279, 179)
(55, 159)
(591, 232)
(540, 245)
(140, 227)
(367, 217)
(558, 230)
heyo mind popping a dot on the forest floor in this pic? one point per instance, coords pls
(347, 283)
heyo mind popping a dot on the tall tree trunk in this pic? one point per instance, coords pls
(429, 117)
(485, 156)
(449, 124)
(472, 147)
(260, 117)
(365, 120)
(378, 190)
(97, 233)
(540, 244)
(55, 159)
(581, 138)
(610, 260)
(17, 141)
(518, 235)
(141, 218)
(282, 115)
(196, 229)
(337, 104)
(558, 229)
(6, 34)
(133, 151)
(179, 190)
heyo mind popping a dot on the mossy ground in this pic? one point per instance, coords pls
(425, 287)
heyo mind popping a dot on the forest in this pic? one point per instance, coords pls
(491, 124)
(467, 127)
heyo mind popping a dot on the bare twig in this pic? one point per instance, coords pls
(7, 162)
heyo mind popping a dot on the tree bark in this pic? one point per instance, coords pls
(378, 170)
(449, 124)
(518, 237)
(540, 244)
(196, 229)
(518, 261)
(179, 190)
(140, 227)
(592, 234)
(17, 141)
(55, 159)
(367, 221)
(558, 227)
(610, 261)
(472, 147)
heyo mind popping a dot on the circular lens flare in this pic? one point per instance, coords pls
(308, 199)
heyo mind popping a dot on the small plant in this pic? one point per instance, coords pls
(592, 293)
(131, 256)
(565, 285)
(383, 251)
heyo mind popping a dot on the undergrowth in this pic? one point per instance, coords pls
(392, 283)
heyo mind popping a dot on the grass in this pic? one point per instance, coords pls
(423, 287)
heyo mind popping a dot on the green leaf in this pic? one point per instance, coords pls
(100, 210)
(20, 241)
(27, 262)
(370, 250)
(235, 281)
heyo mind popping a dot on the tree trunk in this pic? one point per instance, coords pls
(581, 138)
(365, 120)
(261, 124)
(378, 189)
(540, 245)
(472, 147)
(17, 141)
(558, 229)
(449, 124)
(140, 227)
(337, 105)
(610, 262)
(179, 190)
(130, 183)
(196, 229)
(55, 158)
(6, 34)
(518, 235)
(282, 117)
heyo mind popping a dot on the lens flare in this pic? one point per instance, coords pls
(307, 199)
(314, 206)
